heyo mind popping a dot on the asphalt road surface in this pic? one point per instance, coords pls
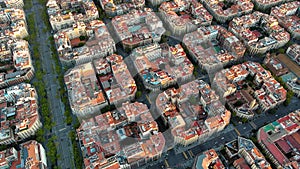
(63, 142)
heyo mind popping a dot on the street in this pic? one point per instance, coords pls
(63, 142)
(174, 156)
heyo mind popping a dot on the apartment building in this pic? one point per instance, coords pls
(94, 85)
(31, 154)
(224, 11)
(161, 65)
(249, 156)
(264, 88)
(16, 62)
(281, 140)
(63, 14)
(138, 28)
(259, 32)
(213, 47)
(115, 79)
(286, 15)
(13, 23)
(264, 5)
(184, 16)
(275, 66)
(193, 112)
(84, 42)
(293, 52)
(85, 94)
(117, 7)
(19, 113)
(11, 4)
(127, 137)
(208, 159)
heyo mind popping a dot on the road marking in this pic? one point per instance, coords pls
(148, 99)
(185, 156)
(167, 164)
(236, 130)
(253, 125)
(191, 153)
(61, 129)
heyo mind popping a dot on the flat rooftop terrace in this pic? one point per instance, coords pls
(293, 66)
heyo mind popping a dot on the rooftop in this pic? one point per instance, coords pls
(13, 23)
(213, 46)
(15, 60)
(209, 159)
(18, 108)
(62, 13)
(293, 52)
(249, 154)
(282, 138)
(115, 78)
(227, 10)
(113, 7)
(161, 65)
(192, 111)
(138, 26)
(183, 12)
(84, 90)
(287, 16)
(31, 155)
(269, 94)
(82, 41)
(126, 134)
(244, 28)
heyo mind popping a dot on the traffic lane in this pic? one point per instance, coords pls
(174, 159)
(244, 129)
(215, 142)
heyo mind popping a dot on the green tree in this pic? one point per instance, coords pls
(244, 120)
(289, 96)
(272, 111)
(138, 94)
(281, 50)
(40, 135)
(82, 38)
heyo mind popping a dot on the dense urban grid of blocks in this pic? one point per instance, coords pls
(154, 78)
(20, 118)
(193, 112)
